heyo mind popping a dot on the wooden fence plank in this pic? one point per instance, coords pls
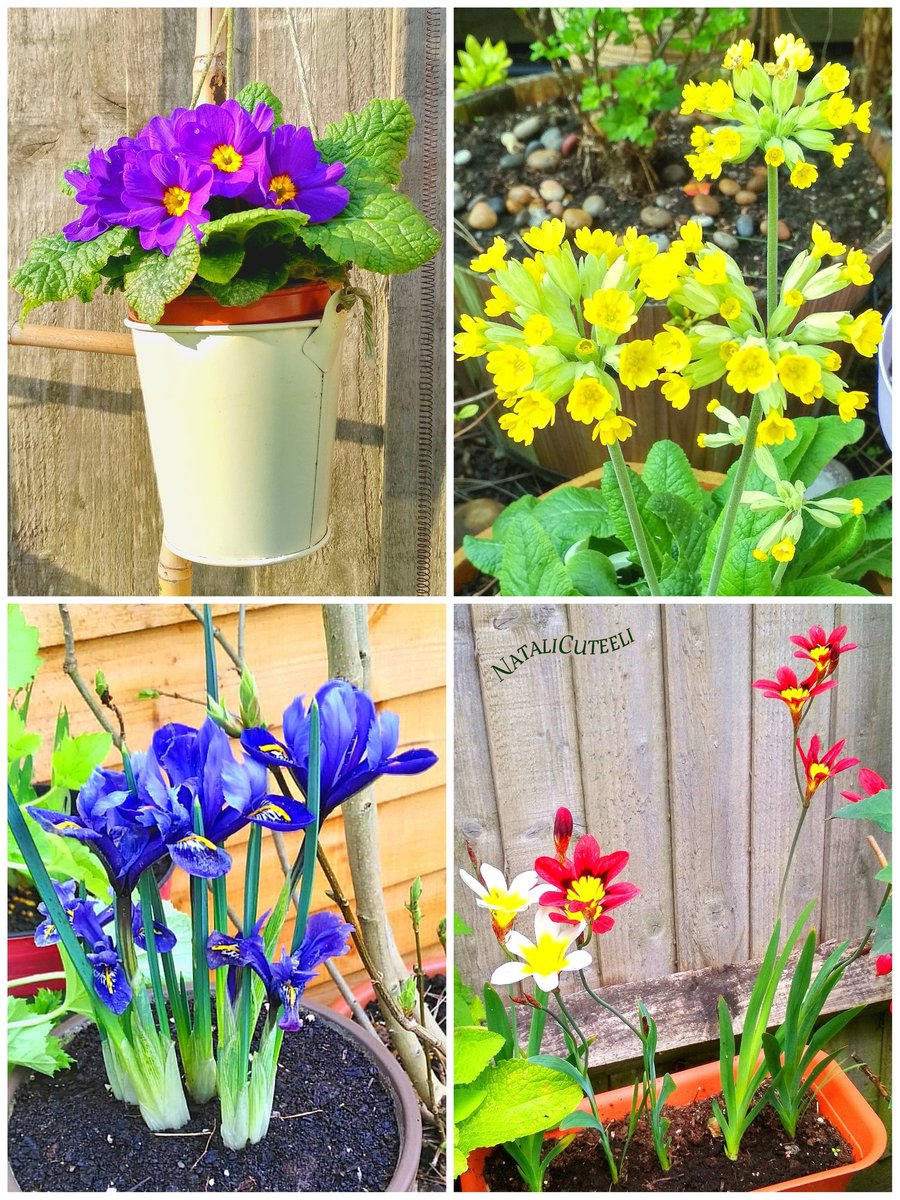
(619, 706)
(707, 667)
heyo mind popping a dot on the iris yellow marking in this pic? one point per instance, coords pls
(273, 811)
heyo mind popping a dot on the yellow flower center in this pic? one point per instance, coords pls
(818, 773)
(504, 905)
(226, 158)
(795, 698)
(588, 889)
(547, 957)
(176, 201)
(283, 188)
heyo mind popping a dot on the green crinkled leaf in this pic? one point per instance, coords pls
(64, 186)
(667, 470)
(19, 742)
(379, 135)
(467, 1099)
(676, 578)
(484, 554)
(615, 505)
(874, 556)
(246, 289)
(872, 491)
(572, 513)
(831, 549)
(22, 641)
(831, 435)
(821, 585)
(238, 224)
(592, 574)
(530, 565)
(522, 1098)
(744, 575)
(154, 280)
(220, 261)
(57, 270)
(380, 230)
(473, 1048)
(76, 757)
(259, 93)
(875, 808)
(689, 527)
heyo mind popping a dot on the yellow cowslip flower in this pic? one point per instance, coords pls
(838, 109)
(585, 348)
(638, 364)
(864, 332)
(738, 55)
(832, 361)
(499, 303)
(707, 162)
(692, 236)
(727, 143)
(730, 309)
(471, 343)
(614, 428)
(599, 242)
(856, 506)
(700, 138)
(783, 552)
(537, 330)
(798, 373)
(760, 555)
(711, 269)
(774, 428)
(660, 276)
(713, 405)
(693, 97)
(792, 54)
(517, 427)
(588, 401)
(728, 350)
(823, 243)
(536, 408)
(675, 389)
(850, 404)
(861, 117)
(492, 259)
(610, 309)
(749, 369)
(701, 440)
(673, 349)
(856, 268)
(511, 368)
(719, 100)
(840, 154)
(535, 267)
(804, 175)
(546, 237)
(835, 77)
(793, 298)
(774, 156)
(637, 247)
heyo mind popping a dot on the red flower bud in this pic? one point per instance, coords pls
(884, 964)
(562, 831)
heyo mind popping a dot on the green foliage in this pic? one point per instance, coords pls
(260, 93)
(22, 644)
(655, 1099)
(151, 280)
(481, 65)
(56, 269)
(30, 1041)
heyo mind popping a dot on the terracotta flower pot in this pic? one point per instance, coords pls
(304, 301)
(406, 1108)
(838, 1101)
(365, 993)
(24, 958)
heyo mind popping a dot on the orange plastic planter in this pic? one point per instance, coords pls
(302, 302)
(839, 1102)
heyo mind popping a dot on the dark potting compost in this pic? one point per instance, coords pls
(22, 915)
(333, 1128)
(431, 1175)
(699, 1163)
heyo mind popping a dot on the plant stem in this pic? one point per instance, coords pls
(634, 517)
(746, 459)
(790, 858)
(70, 667)
(609, 1007)
(220, 637)
(777, 578)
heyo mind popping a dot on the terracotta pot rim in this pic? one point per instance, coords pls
(272, 309)
(406, 1107)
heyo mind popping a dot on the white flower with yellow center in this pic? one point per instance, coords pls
(544, 959)
(505, 903)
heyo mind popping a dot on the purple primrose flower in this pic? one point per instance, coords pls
(99, 189)
(357, 745)
(226, 138)
(293, 174)
(166, 194)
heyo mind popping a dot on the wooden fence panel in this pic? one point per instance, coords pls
(84, 516)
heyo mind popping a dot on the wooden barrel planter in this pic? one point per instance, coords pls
(565, 449)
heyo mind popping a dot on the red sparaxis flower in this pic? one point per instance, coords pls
(821, 767)
(870, 782)
(796, 695)
(884, 964)
(822, 651)
(562, 832)
(581, 887)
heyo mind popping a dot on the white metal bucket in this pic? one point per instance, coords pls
(242, 422)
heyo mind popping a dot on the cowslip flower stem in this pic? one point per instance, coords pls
(746, 459)
(634, 517)
(778, 577)
(790, 858)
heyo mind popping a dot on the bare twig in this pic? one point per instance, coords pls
(70, 667)
(205, 1148)
(877, 851)
(220, 637)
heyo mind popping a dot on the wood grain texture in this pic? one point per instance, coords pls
(84, 515)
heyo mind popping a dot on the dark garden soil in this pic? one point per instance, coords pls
(22, 915)
(850, 201)
(699, 1164)
(333, 1129)
(432, 1173)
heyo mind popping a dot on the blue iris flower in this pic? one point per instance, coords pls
(357, 744)
(285, 980)
(130, 828)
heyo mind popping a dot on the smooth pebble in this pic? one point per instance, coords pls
(461, 157)
(595, 205)
(708, 205)
(725, 241)
(543, 160)
(656, 218)
(552, 189)
(577, 218)
(528, 128)
(482, 216)
(745, 225)
(509, 162)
